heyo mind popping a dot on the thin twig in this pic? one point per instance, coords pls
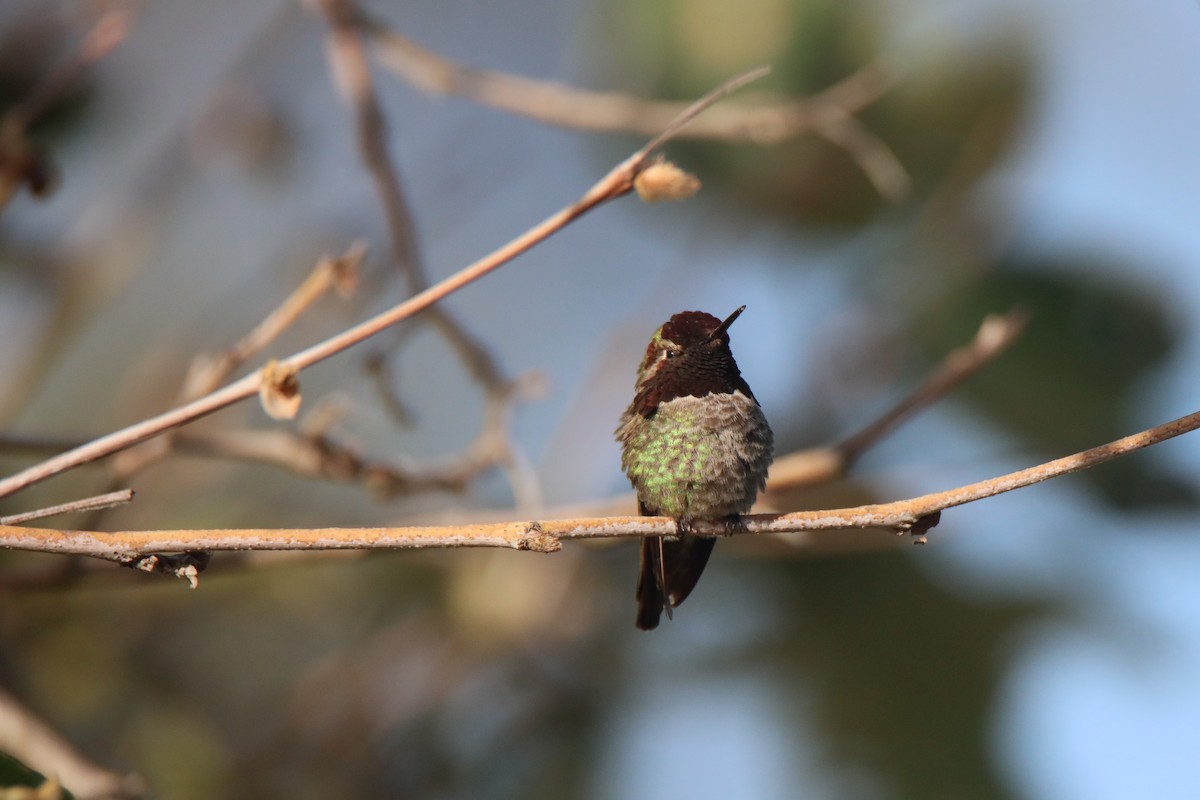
(348, 62)
(208, 371)
(995, 335)
(914, 516)
(618, 182)
(319, 457)
(340, 273)
(107, 500)
(828, 114)
(315, 455)
(877, 161)
(690, 112)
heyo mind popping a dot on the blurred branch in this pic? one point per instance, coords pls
(340, 273)
(381, 373)
(914, 516)
(319, 457)
(618, 182)
(314, 455)
(829, 114)
(20, 162)
(348, 62)
(352, 78)
(207, 372)
(30, 739)
(86, 504)
(310, 452)
(109, 31)
(877, 161)
(822, 464)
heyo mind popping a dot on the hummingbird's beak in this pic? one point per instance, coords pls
(724, 326)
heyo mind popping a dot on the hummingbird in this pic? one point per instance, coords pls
(695, 445)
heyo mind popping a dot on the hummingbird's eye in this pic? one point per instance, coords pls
(672, 353)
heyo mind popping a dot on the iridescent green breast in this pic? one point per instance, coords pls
(697, 457)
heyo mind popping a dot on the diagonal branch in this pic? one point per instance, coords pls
(618, 182)
(207, 372)
(315, 455)
(107, 500)
(829, 114)
(348, 62)
(352, 76)
(995, 334)
(822, 464)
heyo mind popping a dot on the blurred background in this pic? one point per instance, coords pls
(164, 194)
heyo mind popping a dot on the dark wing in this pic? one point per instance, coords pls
(684, 560)
(651, 598)
(669, 571)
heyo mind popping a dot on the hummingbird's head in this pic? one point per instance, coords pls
(688, 356)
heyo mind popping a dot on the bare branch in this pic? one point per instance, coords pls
(914, 516)
(348, 62)
(692, 110)
(340, 273)
(996, 333)
(319, 457)
(207, 371)
(822, 464)
(616, 183)
(763, 122)
(86, 504)
(554, 103)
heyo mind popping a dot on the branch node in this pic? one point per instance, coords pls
(279, 390)
(186, 565)
(346, 269)
(661, 181)
(919, 527)
(537, 540)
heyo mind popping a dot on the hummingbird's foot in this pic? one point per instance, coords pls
(733, 524)
(709, 528)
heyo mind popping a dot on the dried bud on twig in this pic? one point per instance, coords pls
(346, 267)
(662, 181)
(279, 390)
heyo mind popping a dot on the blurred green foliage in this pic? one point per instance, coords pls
(13, 774)
(1071, 380)
(904, 670)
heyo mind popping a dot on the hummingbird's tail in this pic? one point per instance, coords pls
(670, 570)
